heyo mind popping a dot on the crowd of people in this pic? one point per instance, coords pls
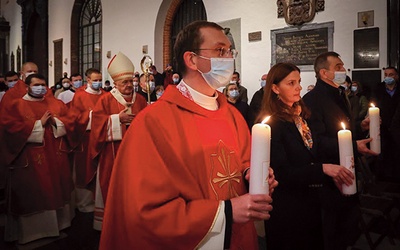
(162, 160)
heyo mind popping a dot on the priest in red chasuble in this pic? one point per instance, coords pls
(80, 117)
(179, 178)
(39, 181)
(111, 117)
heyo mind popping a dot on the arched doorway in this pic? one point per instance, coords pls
(173, 15)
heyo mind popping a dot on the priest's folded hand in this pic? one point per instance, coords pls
(251, 207)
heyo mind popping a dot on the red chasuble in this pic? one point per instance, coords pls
(39, 176)
(103, 152)
(78, 117)
(172, 171)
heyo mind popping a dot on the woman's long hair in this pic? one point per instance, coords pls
(271, 104)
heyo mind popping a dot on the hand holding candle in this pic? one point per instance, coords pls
(260, 157)
(347, 158)
(374, 129)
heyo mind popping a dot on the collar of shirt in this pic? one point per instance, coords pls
(391, 92)
(92, 91)
(207, 102)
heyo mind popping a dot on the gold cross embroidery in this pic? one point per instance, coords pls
(227, 177)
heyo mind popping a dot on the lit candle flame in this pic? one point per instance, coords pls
(372, 105)
(266, 119)
(343, 126)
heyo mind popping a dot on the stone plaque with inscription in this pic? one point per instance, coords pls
(366, 48)
(302, 45)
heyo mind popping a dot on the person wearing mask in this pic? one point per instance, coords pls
(10, 80)
(387, 97)
(176, 78)
(256, 100)
(192, 175)
(76, 80)
(329, 107)
(158, 78)
(111, 118)
(19, 88)
(67, 95)
(358, 102)
(136, 83)
(80, 119)
(65, 85)
(159, 91)
(233, 97)
(296, 165)
(148, 94)
(242, 90)
(39, 178)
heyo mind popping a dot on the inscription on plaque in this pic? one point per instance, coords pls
(301, 46)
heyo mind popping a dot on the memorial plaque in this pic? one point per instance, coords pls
(366, 48)
(301, 46)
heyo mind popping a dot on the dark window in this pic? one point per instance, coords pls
(90, 36)
(189, 11)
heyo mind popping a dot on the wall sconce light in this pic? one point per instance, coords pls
(66, 61)
(51, 63)
(108, 54)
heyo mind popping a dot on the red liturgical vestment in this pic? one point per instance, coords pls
(171, 173)
(39, 175)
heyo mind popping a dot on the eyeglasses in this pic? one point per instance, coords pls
(225, 52)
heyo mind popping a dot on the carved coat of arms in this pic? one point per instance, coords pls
(297, 12)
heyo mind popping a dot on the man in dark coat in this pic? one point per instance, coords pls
(329, 107)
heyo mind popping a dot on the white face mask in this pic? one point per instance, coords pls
(38, 91)
(220, 73)
(340, 77)
(65, 85)
(11, 84)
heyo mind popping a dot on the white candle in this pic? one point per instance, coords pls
(374, 129)
(347, 158)
(260, 158)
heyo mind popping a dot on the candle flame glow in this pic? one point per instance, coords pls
(372, 105)
(266, 119)
(343, 126)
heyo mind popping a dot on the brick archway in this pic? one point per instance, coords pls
(167, 31)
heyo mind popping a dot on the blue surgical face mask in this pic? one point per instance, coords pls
(96, 85)
(263, 83)
(38, 91)
(220, 73)
(11, 84)
(234, 93)
(159, 94)
(77, 84)
(353, 88)
(340, 77)
(389, 80)
(176, 80)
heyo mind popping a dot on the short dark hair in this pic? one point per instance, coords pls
(10, 74)
(236, 73)
(391, 67)
(74, 75)
(90, 71)
(28, 80)
(190, 39)
(321, 62)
